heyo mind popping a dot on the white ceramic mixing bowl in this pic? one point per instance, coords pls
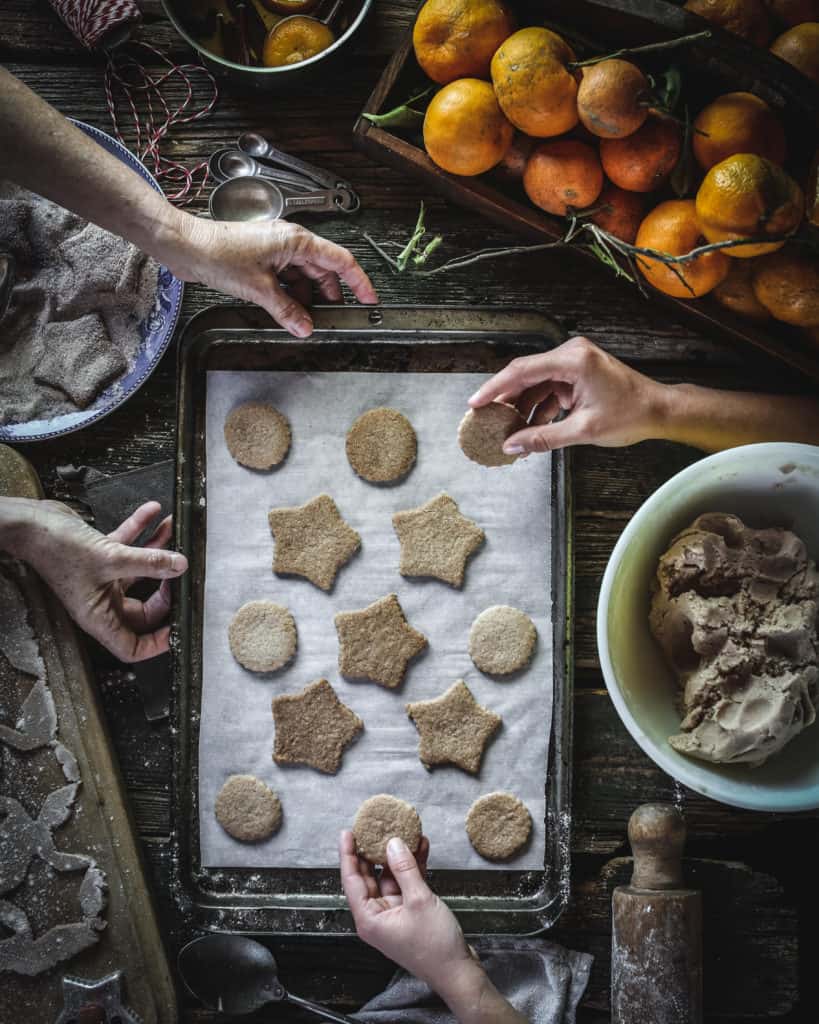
(766, 485)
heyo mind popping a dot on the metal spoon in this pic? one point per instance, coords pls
(229, 163)
(249, 199)
(257, 145)
(237, 975)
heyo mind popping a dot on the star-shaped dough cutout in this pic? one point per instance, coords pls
(436, 540)
(453, 728)
(313, 727)
(312, 540)
(377, 643)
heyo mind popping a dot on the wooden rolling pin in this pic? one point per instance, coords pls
(656, 947)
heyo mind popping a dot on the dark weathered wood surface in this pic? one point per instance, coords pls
(758, 871)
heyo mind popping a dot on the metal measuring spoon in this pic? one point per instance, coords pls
(229, 163)
(261, 199)
(257, 145)
(237, 975)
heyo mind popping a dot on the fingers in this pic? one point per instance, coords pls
(298, 285)
(564, 363)
(148, 562)
(161, 535)
(326, 255)
(326, 281)
(404, 869)
(352, 881)
(286, 310)
(575, 429)
(139, 520)
(143, 616)
(130, 647)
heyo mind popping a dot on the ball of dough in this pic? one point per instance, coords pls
(247, 809)
(378, 820)
(502, 640)
(498, 826)
(262, 636)
(483, 431)
(381, 445)
(257, 435)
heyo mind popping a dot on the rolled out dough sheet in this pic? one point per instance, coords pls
(511, 504)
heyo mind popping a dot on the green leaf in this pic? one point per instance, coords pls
(683, 174)
(669, 88)
(402, 116)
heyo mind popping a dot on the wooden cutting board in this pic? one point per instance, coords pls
(64, 823)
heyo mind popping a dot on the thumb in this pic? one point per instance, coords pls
(286, 310)
(549, 437)
(405, 870)
(151, 563)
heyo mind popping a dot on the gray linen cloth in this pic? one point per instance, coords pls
(542, 980)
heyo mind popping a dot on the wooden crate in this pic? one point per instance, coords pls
(723, 63)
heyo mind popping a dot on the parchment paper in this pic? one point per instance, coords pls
(510, 503)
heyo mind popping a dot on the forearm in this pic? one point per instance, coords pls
(713, 420)
(43, 152)
(473, 999)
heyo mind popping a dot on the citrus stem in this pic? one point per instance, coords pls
(668, 44)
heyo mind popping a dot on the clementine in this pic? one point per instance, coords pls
(643, 160)
(737, 122)
(456, 38)
(619, 212)
(513, 163)
(612, 98)
(787, 285)
(747, 196)
(736, 292)
(800, 46)
(794, 12)
(746, 18)
(563, 174)
(465, 131)
(672, 228)
(296, 39)
(534, 87)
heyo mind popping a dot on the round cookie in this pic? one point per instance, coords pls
(482, 432)
(247, 809)
(502, 640)
(262, 636)
(498, 826)
(379, 819)
(257, 435)
(381, 445)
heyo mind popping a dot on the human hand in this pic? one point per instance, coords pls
(607, 403)
(91, 573)
(250, 260)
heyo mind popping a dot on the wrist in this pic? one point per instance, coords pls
(17, 519)
(472, 997)
(663, 411)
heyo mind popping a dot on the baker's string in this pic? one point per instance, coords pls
(128, 78)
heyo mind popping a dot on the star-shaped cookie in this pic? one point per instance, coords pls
(436, 540)
(313, 727)
(377, 643)
(312, 540)
(453, 728)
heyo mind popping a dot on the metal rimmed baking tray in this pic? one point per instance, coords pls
(384, 339)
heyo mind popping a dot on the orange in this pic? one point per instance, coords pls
(746, 18)
(563, 174)
(812, 194)
(800, 46)
(787, 285)
(736, 292)
(465, 131)
(672, 228)
(456, 38)
(643, 160)
(294, 40)
(794, 12)
(513, 163)
(534, 87)
(737, 122)
(746, 196)
(622, 212)
(612, 98)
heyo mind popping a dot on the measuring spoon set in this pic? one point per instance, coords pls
(257, 181)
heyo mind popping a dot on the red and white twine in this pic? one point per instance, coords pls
(146, 93)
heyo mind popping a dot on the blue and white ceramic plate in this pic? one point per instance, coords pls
(156, 331)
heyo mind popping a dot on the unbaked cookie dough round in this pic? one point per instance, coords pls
(482, 432)
(381, 445)
(247, 809)
(257, 435)
(262, 636)
(379, 819)
(502, 640)
(498, 826)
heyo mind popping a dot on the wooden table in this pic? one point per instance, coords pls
(758, 871)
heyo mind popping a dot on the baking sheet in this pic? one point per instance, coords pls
(236, 728)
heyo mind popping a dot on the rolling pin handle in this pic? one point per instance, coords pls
(657, 836)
